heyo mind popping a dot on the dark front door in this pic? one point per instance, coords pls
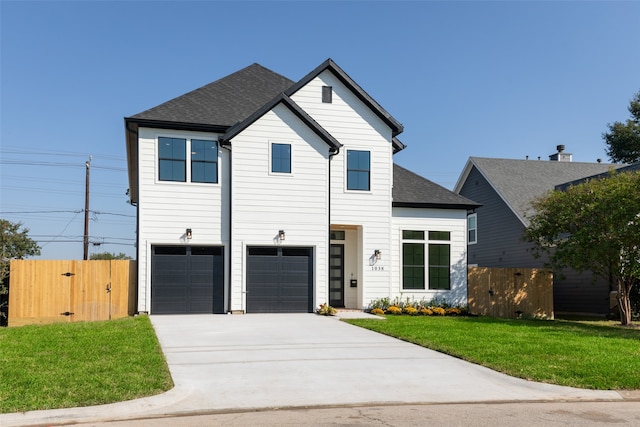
(187, 279)
(336, 275)
(279, 280)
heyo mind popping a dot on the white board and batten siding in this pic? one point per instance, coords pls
(166, 209)
(356, 127)
(451, 220)
(265, 202)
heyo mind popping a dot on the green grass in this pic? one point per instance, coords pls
(593, 355)
(80, 364)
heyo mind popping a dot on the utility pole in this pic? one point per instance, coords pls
(86, 211)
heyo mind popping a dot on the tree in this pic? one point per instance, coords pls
(623, 139)
(109, 255)
(593, 226)
(14, 244)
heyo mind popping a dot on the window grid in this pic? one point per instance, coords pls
(280, 158)
(436, 261)
(172, 160)
(358, 170)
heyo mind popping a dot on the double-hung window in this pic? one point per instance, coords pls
(204, 161)
(173, 165)
(358, 170)
(472, 229)
(172, 159)
(420, 255)
(280, 158)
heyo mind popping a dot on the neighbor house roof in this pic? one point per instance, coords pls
(413, 191)
(634, 167)
(519, 182)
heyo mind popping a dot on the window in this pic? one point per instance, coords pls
(173, 165)
(281, 158)
(327, 94)
(204, 161)
(358, 170)
(336, 235)
(437, 259)
(439, 263)
(172, 159)
(472, 229)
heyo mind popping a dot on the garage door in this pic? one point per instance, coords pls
(279, 280)
(187, 279)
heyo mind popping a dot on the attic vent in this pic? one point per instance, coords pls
(327, 94)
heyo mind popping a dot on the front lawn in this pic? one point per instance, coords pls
(595, 355)
(80, 364)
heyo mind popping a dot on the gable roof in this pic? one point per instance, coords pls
(330, 65)
(519, 182)
(222, 103)
(410, 190)
(295, 109)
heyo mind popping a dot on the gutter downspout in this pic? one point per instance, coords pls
(229, 255)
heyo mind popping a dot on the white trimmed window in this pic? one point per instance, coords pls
(472, 229)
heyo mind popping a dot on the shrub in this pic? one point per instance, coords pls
(377, 311)
(394, 309)
(425, 311)
(326, 310)
(438, 310)
(412, 311)
(452, 311)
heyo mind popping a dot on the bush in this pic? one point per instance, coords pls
(438, 310)
(377, 311)
(452, 311)
(426, 312)
(394, 309)
(326, 310)
(412, 311)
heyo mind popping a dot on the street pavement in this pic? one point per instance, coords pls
(236, 363)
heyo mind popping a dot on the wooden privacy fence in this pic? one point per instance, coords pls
(43, 291)
(510, 292)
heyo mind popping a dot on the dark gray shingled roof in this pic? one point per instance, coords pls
(224, 102)
(413, 191)
(519, 182)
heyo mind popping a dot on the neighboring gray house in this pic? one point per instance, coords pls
(506, 188)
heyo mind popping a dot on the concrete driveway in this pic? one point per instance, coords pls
(236, 362)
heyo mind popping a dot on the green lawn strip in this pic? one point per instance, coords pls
(80, 364)
(578, 354)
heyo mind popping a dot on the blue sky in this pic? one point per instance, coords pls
(489, 79)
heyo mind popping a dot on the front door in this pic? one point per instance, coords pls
(336, 275)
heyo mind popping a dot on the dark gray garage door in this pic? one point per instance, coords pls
(279, 280)
(187, 279)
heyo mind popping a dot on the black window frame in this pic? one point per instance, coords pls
(356, 170)
(205, 162)
(435, 262)
(277, 165)
(166, 159)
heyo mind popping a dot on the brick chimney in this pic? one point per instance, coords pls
(560, 156)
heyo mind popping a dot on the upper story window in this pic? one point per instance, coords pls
(358, 170)
(281, 158)
(420, 255)
(204, 161)
(327, 94)
(172, 159)
(173, 165)
(472, 229)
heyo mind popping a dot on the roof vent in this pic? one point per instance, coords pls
(560, 156)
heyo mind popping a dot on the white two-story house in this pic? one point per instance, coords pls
(256, 193)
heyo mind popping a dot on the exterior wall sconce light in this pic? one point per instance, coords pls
(377, 254)
(281, 235)
(189, 233)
